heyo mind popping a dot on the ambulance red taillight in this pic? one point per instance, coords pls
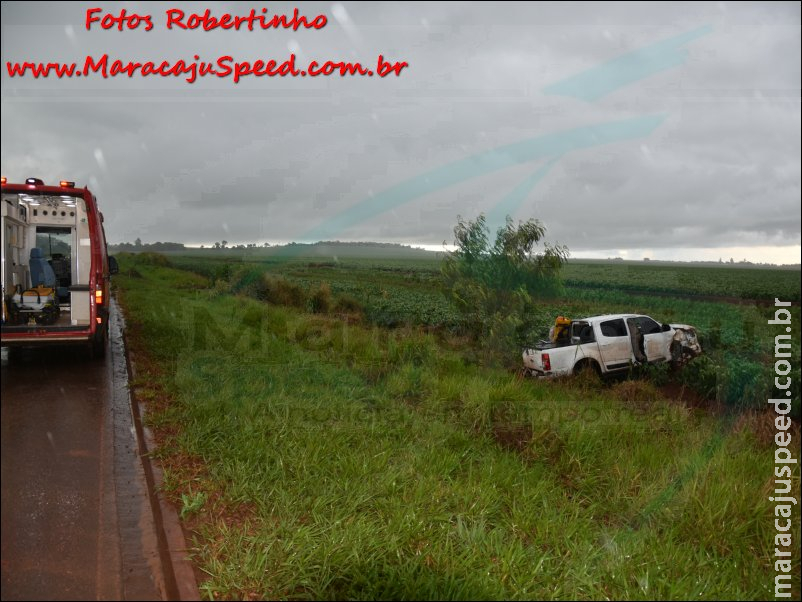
(3, 179)
(99, 296)
(546, 362)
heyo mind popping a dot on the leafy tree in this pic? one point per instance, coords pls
(494, 285)
(511, 266)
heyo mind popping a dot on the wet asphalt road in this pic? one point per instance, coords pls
(76, 518)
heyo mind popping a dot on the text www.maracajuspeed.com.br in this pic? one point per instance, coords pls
(223, 67)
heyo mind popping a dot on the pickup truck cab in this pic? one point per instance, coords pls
(613, 343)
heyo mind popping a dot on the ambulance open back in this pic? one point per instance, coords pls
(55, 268)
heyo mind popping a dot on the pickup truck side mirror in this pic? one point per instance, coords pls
(575, 340)
(665, 328)
(113, 267)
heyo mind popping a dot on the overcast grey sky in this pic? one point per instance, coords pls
(663, 130)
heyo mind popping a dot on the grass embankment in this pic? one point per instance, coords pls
(316, 457)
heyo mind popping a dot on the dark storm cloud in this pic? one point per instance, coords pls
(276, 158)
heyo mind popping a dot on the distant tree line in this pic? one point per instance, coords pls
(159, 247)
(357, 243)
(224, 245)
(138, 246)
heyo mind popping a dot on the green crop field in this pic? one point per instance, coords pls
(328, 432)
(407, 291)
(686, 280)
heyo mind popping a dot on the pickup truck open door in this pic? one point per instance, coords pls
(656, 338)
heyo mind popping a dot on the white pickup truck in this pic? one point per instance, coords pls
(613, 343)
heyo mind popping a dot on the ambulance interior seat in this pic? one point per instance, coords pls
(61, 267)
(41, 271)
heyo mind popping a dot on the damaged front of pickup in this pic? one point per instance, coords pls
(684, 344)
(609, 344)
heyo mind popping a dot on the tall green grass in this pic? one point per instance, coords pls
(320, 458)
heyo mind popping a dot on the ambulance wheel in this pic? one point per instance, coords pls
(13, 354)
(98, 345)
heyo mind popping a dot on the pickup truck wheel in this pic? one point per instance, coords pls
(587, 369)
(679, 357)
